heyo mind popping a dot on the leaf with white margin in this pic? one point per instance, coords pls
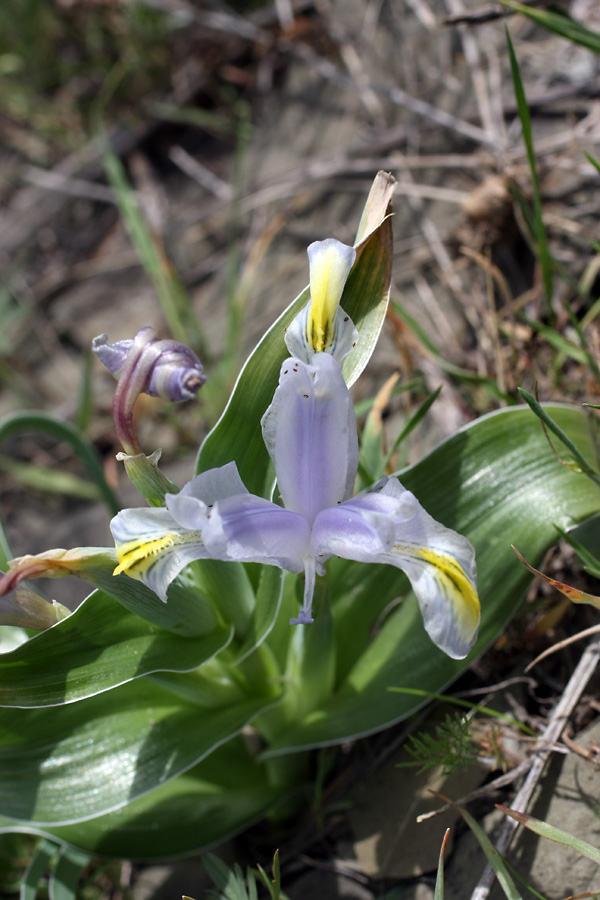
(98, 647)
(67, 764)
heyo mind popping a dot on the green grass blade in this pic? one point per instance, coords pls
(456, 371)
(457, 701)
(556, 340)
(494, 858)
(542, 414)
(412, 423)
(438, 893)
(48, 480)
(553, 834)
(171, 292)
(560, 24)
(591, 563)
(21, 422)
(543, 251)
(85, 400)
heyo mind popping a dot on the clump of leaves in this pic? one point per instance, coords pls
(450, 747)
(232, 885)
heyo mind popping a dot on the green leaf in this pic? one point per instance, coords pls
(67, 764)
(579, 459)
(37, 868)
(22, 422)
(590, 560)
(543, 251)
(266, 609)
(187, 612)
(496, 481)
(553, 834)
(171, 293)
(456, 371)
(570, 350)
(494, 858)
(457, 701)
(65, 878)
(221, 795)
(438, 893)
(412, 423)
(560, 24)
(100, 646)
(237, 435)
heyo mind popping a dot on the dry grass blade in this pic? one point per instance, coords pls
(560, 645)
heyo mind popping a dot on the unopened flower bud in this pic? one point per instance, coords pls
(146, 365)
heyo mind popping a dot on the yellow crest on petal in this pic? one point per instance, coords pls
(137, 556)
(451, 575)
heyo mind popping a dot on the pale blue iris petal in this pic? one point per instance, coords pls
(256, 530)
(310, 433)
(215, 484)
(153, 548)
(391, 527)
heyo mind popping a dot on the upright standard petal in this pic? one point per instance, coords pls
(310, 433)
(392, 527)
(322, 327)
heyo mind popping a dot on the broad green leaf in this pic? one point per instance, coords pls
(67, 764)
(221, 795)
(553, 834)
(496, 481)
(66, 875)
(266, 609)
(38, 866)
(237, 435)
(101, 645)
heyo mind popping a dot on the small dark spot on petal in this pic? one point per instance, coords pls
(346, 318)
(354, 344)
(306, 395)
(285, 371)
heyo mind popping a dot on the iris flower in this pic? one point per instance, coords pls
(310, 433)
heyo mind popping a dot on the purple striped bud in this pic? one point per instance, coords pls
(146, 365)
